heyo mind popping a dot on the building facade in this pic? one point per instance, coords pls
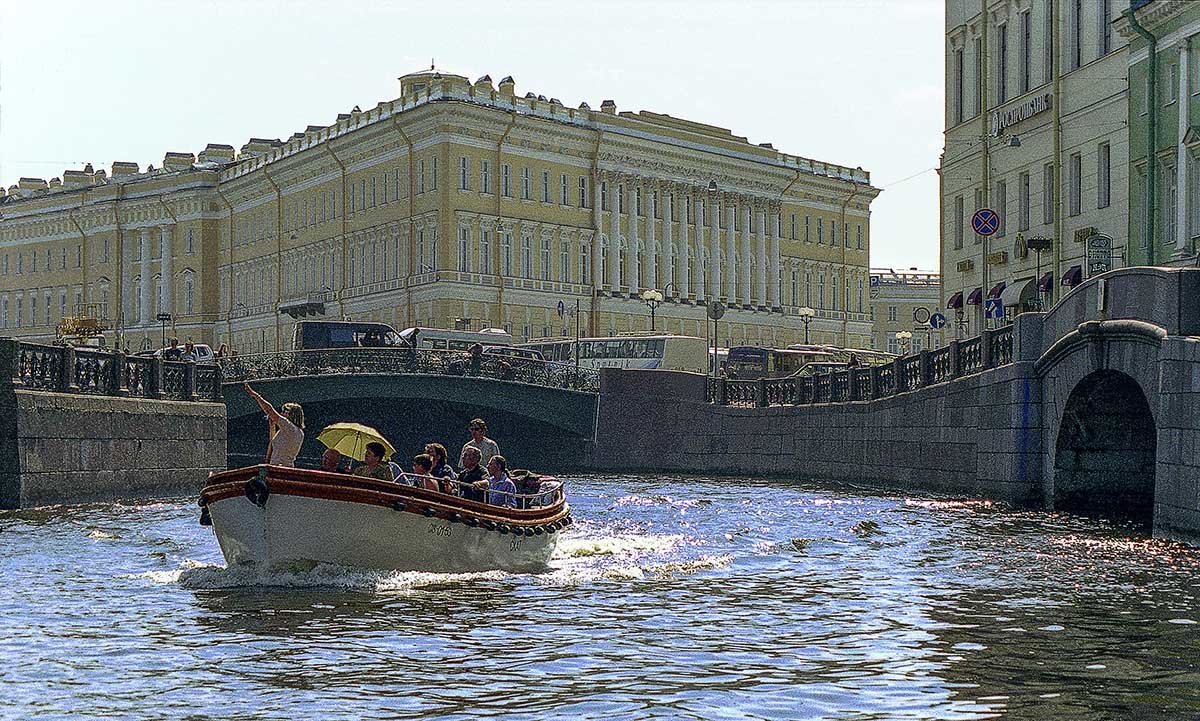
(1164, 223)
(1036, 114)
(902, 301)
(459, 204)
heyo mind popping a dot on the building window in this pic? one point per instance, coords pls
(506, 180)
(1103, 175)
(1170, 203)
(1076, 172)
(893, 313)
(1048, 193)
(1193, 193)
(506, 253)
(374, 202)
(526, 185)
(526, 256)
(565, 191)
(485, 251)
(1002, 63)
(620, 198)
(807, 229)
(353, 199)
(1172, 84)
(383, 178)
(1075, 33)
(978, 52)
(959, 222)
(585, 264)
(584, 201)
(821, 290)
(464, 173)
(433, 173)
(820, 232)
(545, 186)
(564, 262)
(420, 177)
(189, 294)
(1048, 42)
(1023, 201)
(1023, 73)
(859, 236)
(464, 250)
(958, 87)
(485, 177)
(1002, 206)
(1105, 30)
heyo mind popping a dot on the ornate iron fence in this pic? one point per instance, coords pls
(64, 369)
(401, 361)
(960, 358)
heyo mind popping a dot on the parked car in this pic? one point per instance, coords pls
(811, 369)
(204, 354)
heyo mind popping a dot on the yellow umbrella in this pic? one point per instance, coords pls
(351, 439)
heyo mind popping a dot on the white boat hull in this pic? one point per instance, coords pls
(292, 530)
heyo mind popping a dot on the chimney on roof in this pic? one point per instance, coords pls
(609, 107)
(76, 179)
(122, 169)
(216, 153)
(178, 161)
(508, 87)
(258, 146)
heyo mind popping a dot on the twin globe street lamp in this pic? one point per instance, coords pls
(652, 298)
(806, 315)
(902, 339)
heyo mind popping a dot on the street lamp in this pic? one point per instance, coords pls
(652, 298)
(806, 315)
(902, 338)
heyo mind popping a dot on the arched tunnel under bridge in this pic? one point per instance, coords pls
(1104, 458)
(546, 429)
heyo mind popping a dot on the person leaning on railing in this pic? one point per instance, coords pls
(501, 490)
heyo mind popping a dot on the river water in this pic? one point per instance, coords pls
(670, 598)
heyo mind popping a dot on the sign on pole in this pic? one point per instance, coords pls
(985, 221)
(993, 308)
(920, 315)
(562, 309)
(1099, 254)
(937, 320)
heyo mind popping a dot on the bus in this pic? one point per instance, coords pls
(445, 339)
(665, 352)
(754, 362)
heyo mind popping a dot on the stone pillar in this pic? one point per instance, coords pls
(126, 303)
(597, 239)
(668, 249)
(614, 237)
(775, 281)
(147, 316)
(704, 276)
(651, 245)
(747, 238)
(715, 269)
(731, 257)
(633, 258)
(763, 260)
(168, 288)
(685, 277)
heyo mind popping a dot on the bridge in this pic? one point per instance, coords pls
(545, 412)
(1089, 406)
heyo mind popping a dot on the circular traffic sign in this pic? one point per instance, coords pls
(920, 314)
(716, 309)
(937, 320)
(985, 221)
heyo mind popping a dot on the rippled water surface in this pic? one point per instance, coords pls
(670, 598)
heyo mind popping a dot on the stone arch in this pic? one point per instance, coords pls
(1105, 452)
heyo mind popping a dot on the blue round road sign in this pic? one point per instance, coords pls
(937, 320)
(985, 221)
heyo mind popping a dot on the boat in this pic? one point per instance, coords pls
(283, 518)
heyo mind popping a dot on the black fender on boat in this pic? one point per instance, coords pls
(399, 505)
(205, 518)
(503, 529)
(258, 490)
(428, 511)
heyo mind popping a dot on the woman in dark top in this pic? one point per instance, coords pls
(441, 469)
(473, 473)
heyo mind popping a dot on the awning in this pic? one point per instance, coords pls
(996, 290)
(1046, 282)
(975, 297)
(1019, 292)
(1073, 276)
(955, 302)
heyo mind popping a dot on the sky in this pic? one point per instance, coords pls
(853, 82)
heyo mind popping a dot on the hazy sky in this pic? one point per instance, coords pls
(854, 82)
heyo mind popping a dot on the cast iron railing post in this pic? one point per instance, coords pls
(874, 382)
(985, 349)
(119, 364)
(10, 361)
(721, 396)
(760, 393)
(954, 366)
(218, 375)
(156, 379)
(926, 369)
(189, 380)
(66, 380)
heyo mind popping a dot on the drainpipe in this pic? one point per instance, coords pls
(412, 192)
(845, 275)
(1151, 128)
(512, 121)
(342, 289)
(278, 256)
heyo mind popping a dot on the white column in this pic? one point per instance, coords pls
(614, 238)
(597, 205)
(761, 254)
(147, 281)
(731, 257)
(775, 281)
(634, 257)
(747, 239)
(685, 276)
(668, 247)
(711, 228)
(126, 301)
(168, 286)
(651, 244)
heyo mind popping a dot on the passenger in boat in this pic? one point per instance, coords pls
(479, 440)
(373, 463)
(441, 469)
(286, 429)
(501, 490)
(422, 464)
(473, 479)
(331, 461)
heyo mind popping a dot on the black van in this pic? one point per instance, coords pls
(316, 334)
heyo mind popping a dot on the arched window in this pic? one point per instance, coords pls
(189, 292)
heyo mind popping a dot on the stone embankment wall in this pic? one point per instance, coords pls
(976, 435)
(71, 448)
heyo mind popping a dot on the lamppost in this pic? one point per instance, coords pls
(806, 315)
(902, 339)
(652, 298)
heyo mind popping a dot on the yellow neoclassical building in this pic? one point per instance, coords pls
(459, 204)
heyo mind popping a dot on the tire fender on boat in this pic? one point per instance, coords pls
(398, 505)
(428, 511)
(503, 529)
(258, 491)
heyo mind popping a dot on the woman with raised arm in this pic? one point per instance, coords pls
(286, 428)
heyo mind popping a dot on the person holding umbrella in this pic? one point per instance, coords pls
(374, 466)
(362, 443)
(285, 428)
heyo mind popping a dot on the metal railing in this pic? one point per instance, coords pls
(64, 369)
(907, 373)
(406, 361)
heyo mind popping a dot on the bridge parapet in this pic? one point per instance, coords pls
(406, 361)
(88, 371)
